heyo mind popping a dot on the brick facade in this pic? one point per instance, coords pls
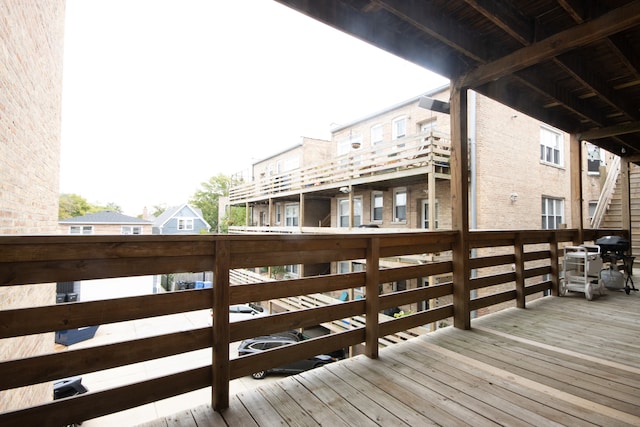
(31, 40)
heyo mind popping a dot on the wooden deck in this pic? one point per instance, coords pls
(561, 361)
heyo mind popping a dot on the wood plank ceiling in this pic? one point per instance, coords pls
(573, 64)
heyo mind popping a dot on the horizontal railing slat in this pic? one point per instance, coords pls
(95, 404)
(35, 320)
(54, 366)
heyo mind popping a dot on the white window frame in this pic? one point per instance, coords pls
(552, 212)
(424, 221)
(429, 125)
(278, 213)
(593, 204)
(375, 196)
(131, 229)
(399, 127)
(81, 229)
(551, 146)
(594, 159)
(377, 136)
(343, 204)
(396, 193)
(184, 224)
(291, 214)
(293, 270)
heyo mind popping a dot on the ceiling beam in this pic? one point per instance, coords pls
(610, 131)
(610, 23)
(505, 17)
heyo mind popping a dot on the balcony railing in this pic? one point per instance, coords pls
(427, 151)
(523, 263)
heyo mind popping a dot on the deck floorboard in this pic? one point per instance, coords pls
(562, 361)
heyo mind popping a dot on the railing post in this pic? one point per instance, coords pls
(519, 263)
(220, 329)
(555, 264)
(372, 327)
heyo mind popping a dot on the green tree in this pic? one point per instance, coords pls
(72, 205)
(207, 197)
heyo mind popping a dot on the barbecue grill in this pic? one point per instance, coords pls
(618, 276)
(613, 245)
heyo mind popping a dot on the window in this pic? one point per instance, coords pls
(129, 229)
(292, 270)
(185, 223)
(399, 127)
(428, 126)
(344, 267)
(377, 201)
(291, 215)
(552, 213)
(278, 213)
(594, 159)
(343, 212)
(376, 135)
(550, 146)
(400, 285)
(592, 208)
(425, 215)
(400, 205)
(81, 229)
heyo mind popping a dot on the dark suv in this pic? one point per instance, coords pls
(258, 344)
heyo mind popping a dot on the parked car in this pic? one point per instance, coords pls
(262, 343)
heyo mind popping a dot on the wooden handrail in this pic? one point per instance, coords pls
(31, 259)
(424, 149)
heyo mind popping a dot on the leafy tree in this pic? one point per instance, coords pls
(158, 210)
(208, 196)
(72, 205)
(110, 207)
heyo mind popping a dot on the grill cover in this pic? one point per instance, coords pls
(615, 244)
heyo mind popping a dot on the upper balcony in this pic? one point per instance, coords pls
(411, 156)
(564, 360)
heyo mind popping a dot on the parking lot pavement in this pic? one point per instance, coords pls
(101, 380)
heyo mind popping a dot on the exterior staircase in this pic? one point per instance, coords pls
(612, 214)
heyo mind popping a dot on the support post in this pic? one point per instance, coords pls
(575, 166)
(301, 214)
(625, 214)
(220, 329)
(460, 206)
(372, 274)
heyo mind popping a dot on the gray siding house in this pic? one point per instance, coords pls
(183, 219)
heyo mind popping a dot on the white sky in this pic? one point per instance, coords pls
(161, 95)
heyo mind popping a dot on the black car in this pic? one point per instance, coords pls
(258, 344)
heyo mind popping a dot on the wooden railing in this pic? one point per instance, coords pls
(527, 256)
(424, 150)
(606, 194)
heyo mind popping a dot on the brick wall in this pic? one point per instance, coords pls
(31, 43)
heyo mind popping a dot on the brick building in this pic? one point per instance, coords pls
(31, 39)
(389, 170)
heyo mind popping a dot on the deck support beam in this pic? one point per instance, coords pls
(460, 206)
(575, 166)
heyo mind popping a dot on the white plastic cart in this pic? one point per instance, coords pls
(581, 271)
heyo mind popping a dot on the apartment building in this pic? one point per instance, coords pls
(389, 172)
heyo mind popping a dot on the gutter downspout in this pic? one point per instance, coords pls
(473, 220)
